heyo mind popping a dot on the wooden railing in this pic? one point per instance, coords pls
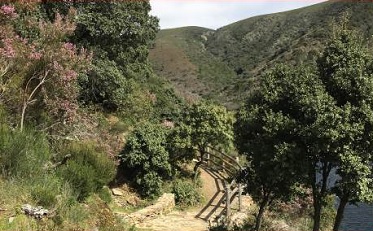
(228, 168)
(223, 161)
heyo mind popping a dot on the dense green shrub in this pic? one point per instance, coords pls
(88, 170)
(22, 154)
(44, 190)
(105, 194)
(145, 159)
(105, 85)
(186, 193)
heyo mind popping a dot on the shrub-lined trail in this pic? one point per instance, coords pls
(195, 219)
(187, 220)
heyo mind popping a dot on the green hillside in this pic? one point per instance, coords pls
(225, 64)
(180, 55)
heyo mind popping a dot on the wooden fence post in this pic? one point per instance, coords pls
(228, 201)
(239, 197)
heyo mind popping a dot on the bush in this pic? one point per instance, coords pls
(105, 195)
(186, 193)
(22, 154)
(145, 160)
(45, 190)
(88, 170)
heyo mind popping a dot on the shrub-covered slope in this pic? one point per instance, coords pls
(225, 64)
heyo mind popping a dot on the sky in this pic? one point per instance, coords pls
(217, 13)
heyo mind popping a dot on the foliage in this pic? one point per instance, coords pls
(40, 74)
(202, 125)
(346, 69)
(110, 86)
(322, 118)
(105, 195)
(22, 154)
(186, 193)
(267, 133)
(145, 158)
(120, 54)
(239, 53)
(88, 170)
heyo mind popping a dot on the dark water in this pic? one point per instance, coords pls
(355, 218)
(358, 218)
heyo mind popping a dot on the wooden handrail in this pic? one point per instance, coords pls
(225, 155)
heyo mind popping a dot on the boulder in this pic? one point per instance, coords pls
(117, 192)
(36, 212)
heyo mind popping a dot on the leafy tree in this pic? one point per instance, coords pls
(145, 158)
(202, 125)
(269, 132)
(346, 69)
(331, 125)
(122, 43)
(120, 48)
(106, 85)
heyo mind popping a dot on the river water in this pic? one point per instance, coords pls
(358, 218)
(355, 218)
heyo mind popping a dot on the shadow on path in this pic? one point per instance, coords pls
(218, 197)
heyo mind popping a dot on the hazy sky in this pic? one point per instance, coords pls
(217, 13)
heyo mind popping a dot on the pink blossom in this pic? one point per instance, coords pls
(35, 55)
(8, 11)
(69, 46)
(23, 40)
(57, 66)
(8, 50)
(70, 75)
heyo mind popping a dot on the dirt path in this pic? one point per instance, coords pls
(176, 221)
(196, 219)
(191, 220)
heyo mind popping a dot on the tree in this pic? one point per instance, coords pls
(331, 113)
(145, 158)
(269, 131)
(121, 44)
(346, 69)
(40, 72)
(120, 47)
(202, 125)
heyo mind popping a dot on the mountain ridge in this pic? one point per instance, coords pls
(228, 62)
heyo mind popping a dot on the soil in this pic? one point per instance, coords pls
(195, 219)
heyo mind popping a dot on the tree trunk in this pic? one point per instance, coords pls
(259, 217)
(319, 194)
(23, 115)
(195, 169)
(340, 211)
(316, 215)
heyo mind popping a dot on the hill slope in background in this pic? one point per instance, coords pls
(224, 65)
(180, 55)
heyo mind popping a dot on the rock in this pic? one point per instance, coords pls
(117, 192)
(238, 219)
(279, 225)
(164, 205)
(36, 212)
(133, 200)
(11, 219)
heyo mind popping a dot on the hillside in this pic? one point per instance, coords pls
(225, 64)
(180, 55)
